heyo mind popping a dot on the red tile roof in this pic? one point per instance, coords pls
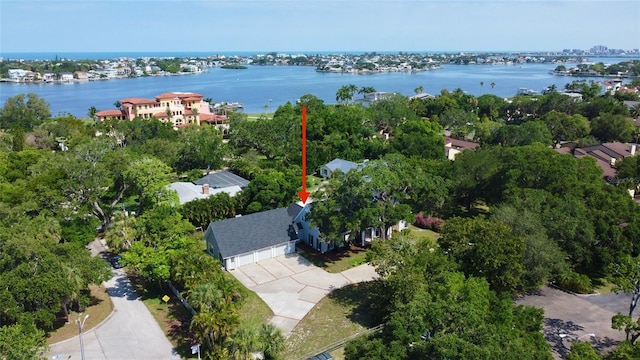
(173, 95)
(212, 118)
(110, 113)
(161, 115)
(460, 144)
(137, 101)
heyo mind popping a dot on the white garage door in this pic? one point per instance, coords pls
(245, 259)
(280, 249)
(264, 254)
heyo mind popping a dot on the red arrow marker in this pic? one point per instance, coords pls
(304, 194)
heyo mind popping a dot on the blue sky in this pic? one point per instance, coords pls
(314, 25)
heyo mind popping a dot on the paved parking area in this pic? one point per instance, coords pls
(570, 317)
(291, 286)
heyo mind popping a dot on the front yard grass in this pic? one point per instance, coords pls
(343, 313)
(336, 260)
(254, 311)
(424, 234)
(100, 307)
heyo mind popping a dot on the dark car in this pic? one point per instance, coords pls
(115, 261)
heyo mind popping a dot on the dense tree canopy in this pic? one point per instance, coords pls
(432, 311)
(24, 111)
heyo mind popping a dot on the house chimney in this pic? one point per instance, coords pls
(633, 149)
(205, 189)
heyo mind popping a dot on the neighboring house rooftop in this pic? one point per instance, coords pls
(222, 179)
(188, 191)
(422, 96)
(606, 155)
(247, 233)
(342, 165)
(452, 147)
(460, 144)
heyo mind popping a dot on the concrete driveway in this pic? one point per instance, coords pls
(291, 286)
(129, 333)
(570, 317)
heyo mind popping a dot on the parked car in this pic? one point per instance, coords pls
(115, 261)
(323, 356)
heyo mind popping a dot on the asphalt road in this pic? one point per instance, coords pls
(130, 333)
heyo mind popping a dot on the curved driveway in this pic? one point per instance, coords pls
(129, 333)
(291, 286)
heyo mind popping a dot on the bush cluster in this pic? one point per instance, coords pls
(428, 222)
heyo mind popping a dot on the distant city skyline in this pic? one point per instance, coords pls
(312, 25)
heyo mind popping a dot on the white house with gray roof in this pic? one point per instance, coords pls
(334, 165)
(211, 184)
(251, 238)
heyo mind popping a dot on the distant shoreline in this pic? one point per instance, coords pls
(110, 55)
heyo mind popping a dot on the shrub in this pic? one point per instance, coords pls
(428, 222)
(575, 282)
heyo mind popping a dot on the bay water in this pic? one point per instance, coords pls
(263, 88)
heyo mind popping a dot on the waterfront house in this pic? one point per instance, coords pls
(178, 108)
(17, 75)
(48, 77)
(66, 77)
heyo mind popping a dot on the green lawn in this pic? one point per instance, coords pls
(334, 261)
(254, 311)
(343, 313)
(424, 234)
(100, 307)
(254, 117)
(314, 183)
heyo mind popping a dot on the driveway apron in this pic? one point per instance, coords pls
(291, 286)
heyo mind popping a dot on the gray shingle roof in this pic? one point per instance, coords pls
(189, 191)
(342, 165)
(252, 232)
(222, 179)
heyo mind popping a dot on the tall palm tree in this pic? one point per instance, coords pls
(243, 343)
(366, 90)
(418, 90)
(345, 93)
(92, 112)
(492, 84)
(206, 296)
(273, 341)
(122, 231)
(212, 328)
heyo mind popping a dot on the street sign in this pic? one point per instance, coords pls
(165, 298)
